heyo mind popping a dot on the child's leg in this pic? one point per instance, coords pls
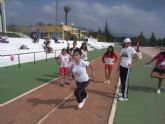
(109, 74)
(66, 76)
(61, 76)
(160, 83)
(106, 72)
(61, 80)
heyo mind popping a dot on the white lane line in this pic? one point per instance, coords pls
(148, 53)
(2, 105)
(113, 110)
(56, 107)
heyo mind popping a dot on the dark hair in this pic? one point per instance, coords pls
(77, 51)
(75, 41)
(110, 52)
(63, 50)
(82, 46)
(163, 53)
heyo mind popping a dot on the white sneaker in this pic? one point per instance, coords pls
(106, 81)
(85, 98)
(80, 105)
(122, 99)
(158, 91)
(119, 95)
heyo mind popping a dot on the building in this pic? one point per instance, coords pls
(2, 16)
(53, 31)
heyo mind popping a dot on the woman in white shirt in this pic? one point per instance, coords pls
(126, 55)
(78, 68)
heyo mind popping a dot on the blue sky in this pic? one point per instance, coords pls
(123, 16)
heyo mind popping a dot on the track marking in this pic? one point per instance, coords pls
(2, 105)
(12, 100)
(56, 107)
(114, 105)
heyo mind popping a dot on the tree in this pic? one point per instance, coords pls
(153, 39)
(141, 38)
(66, 10)
(108, 36)
(40, 24)
(99, 31)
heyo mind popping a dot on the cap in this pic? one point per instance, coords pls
(127, 40)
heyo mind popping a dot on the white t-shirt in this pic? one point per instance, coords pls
(64, 60)
(162, 63)
(79, 71)
(84, 55)
(109, 61)
(126, 56)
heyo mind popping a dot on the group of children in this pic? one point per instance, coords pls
(74, 62)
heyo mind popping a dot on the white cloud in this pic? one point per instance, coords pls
(122, 18)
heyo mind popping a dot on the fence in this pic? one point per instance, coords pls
(34, 53)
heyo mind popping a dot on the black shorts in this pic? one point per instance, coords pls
(158, 70)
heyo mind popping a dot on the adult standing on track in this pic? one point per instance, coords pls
(126, 55)
(78, 68)
(159, 70)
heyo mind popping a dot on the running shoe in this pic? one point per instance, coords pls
(158, 91)
(80, 105)
(62, 85)
(122, 99)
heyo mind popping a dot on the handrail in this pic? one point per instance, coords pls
(27, 53)
(18, 54)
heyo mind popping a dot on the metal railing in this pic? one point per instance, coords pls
(34, 55)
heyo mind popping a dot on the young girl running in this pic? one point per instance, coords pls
(78, 68)
(84, 51)
(109, 58)
(159, 70)
(63, 59)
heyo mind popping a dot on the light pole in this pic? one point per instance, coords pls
(56, 17)
(72, 24)
(3, 16)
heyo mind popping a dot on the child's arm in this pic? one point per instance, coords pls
(57, 59)
(103, 58)
(116, 58)
(90, 66)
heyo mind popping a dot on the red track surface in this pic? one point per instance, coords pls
(33, 107)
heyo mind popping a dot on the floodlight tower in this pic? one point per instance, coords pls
(2, 16)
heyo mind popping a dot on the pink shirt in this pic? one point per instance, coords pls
(64, 60)
(159, 59)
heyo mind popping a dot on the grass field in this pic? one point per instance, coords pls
(14, 80)
(144, 105)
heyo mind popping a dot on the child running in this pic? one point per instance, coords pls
(84, 51)
(159, 70)
(63, 59)
(109, 58)
(78, 68)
